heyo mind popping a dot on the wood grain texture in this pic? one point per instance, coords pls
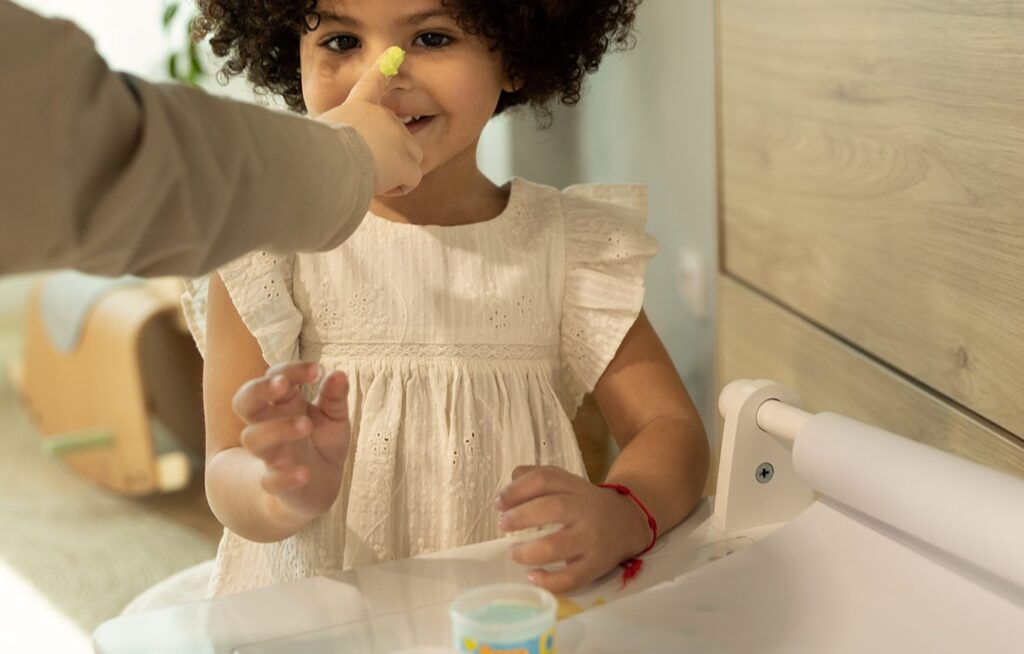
(872, 165)
(760, 339)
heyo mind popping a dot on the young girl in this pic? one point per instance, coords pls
(457, 329)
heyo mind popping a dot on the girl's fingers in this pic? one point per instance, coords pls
(299, 372)
(397, 191)
(333, 399)
(529, 482)
(275, 389)
(262, 438)
(545, 510)
(278, 482)
(519, 471)
(577, 572)
(563, 545)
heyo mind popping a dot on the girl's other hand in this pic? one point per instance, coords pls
(600, 527)
(303, 445)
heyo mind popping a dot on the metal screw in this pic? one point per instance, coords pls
(764, 473)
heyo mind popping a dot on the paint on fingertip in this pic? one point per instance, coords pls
(392, 61)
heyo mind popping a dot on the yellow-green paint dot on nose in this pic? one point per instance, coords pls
(392, 61)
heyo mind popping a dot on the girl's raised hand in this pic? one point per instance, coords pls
(600, 527)
(302, 444)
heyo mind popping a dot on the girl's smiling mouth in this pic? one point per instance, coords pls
(416, 123)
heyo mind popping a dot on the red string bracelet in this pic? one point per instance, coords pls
(631, 566)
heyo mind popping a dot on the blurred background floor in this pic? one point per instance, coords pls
(73, 554)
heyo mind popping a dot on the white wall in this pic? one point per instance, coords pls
(648, 116)
(128, 33)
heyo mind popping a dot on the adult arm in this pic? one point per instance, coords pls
(112, 175)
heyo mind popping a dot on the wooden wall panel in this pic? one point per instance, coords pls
(872, 171)
(760, 339)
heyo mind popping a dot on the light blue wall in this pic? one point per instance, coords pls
(648, 116)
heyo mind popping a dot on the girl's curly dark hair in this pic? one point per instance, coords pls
(547, 45)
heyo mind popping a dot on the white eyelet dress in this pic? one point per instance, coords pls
(467, 348)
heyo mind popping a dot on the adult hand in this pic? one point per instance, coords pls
(396, 153)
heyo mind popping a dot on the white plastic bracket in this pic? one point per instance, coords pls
(757, 485)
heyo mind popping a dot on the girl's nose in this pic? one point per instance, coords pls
(403, 80)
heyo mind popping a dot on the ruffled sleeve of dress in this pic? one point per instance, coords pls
(607, 252)
(260, 285)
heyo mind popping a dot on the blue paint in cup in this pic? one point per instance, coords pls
(506, 619)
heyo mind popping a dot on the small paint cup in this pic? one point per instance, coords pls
(516, 618)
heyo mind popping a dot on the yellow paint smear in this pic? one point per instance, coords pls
(391, 61)
(568, 608)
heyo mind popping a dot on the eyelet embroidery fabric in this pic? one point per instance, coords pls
(467, 348)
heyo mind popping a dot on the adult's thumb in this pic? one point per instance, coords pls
(373, 82)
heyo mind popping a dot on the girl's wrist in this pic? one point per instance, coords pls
(284, 518)
(637, 533)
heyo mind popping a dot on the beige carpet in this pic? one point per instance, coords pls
(88, 551)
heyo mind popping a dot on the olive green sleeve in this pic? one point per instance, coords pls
(112, 175)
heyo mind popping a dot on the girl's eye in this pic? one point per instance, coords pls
(341, 43)
(433, 40)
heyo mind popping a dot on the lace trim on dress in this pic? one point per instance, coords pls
(500, 351)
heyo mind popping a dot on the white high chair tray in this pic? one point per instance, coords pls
(390, 606)
(828, 581)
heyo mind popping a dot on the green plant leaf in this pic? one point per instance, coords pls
(184, 63)
(172, 66)
(170, 11)
(195, 65)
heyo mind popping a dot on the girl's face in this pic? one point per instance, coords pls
(450, 80)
